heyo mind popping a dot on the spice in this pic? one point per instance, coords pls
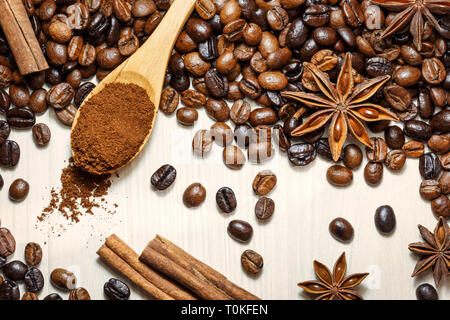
(80, 193)
(112, 127)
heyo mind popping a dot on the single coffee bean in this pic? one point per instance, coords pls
(240, 230)
(34, 280)
(33, 254)
(29, 296)
(202, 142)
(385, 219)
(38, 101)
(82, 93)
(417, 129)
(429, 165)
(413, 149)
(222, 134)
(263, 116)
(240, 112)
(426, 292)
(5, 100)
(41, 134)
(242, 134)
(60, 96)
(433, 71)
(163, 177)
(438, 143)
(67, 115)
(194, 195)
(187, 116)
(216, 83)
(352, 156)
(217, 109)
(226, 200)
(5, 130)
(264, 182)
(170, 99)
(373, 173)
(20, 118)
(18, 190)
(394, 137)
(53, 296)
(252, 262)
(323, 149)
(441, 121)
(430, 189)
(341, 230)
(398, 97)
(302, 154)
(445, 161)
(233, 157)
(395, 160)
(15, 270)
(9, 290)
(280, 138)
(115, 289)
(339, 176)
(7, 243)
(441, 206)
(63, 279)
(378, 152)
(79, 294)
(264, 208)
(9, 153)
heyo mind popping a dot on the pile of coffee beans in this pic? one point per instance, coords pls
(233, 51)
(28, 273)
(80, 40)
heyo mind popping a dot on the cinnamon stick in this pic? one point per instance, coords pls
(21, 38)
(127, 254)
(179, 265)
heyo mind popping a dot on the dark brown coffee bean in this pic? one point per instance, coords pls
(407, 76)
(441, 206)
(164, 177)
(341, 230)
(116, 290)
(15, 270)
(7, 243)
(378, 66)
(378, 152)
(240, 112)
(339, 176)
(226, 200)
(19, 94)
(41, 134)
(205, 9)
(193, 98)
(79, 294)
(63, 279)
(280, 138)
(394, 137)
(170, 99)
(217, 109)
(430, 189)
(395, 160)
(302, 154)
(273, 80)
(9, 290)
(441, 122)
(413, 149)
(194, 195)
(264, 182)
(445, 161)
(34, 280)
(5, 101)
(187, 116)
(398, 97)
(38, 101)
(60, 32)
(417, 129)
(56, 53)
(33, 254)
(60, 95)
(252, 262)
(9, 153)
(20, 118)
(198, 29)
(264, 208)
(433, 71)
(263, 116)
(240, 230)
(373, 173)
(216, 83)
(53, 296)
(352, 156)
(109, 58)
(67, 115)
(250, 87)
(429, 166)
(316, 15)
(385, 219)
(5, 130)
(233, 157)
(19, 190)
(426, 292)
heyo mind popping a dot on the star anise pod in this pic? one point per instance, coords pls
(435, 251)
(412, 12)
(333, 285)
(344, 105)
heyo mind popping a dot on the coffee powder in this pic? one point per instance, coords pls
(112, 127)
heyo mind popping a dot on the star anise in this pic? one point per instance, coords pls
(412, 12)
(334, 286)
(345, 105)
(435, 251)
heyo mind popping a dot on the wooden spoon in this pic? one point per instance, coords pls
(147, 66)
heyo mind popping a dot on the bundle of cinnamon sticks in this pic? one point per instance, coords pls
(167, 272)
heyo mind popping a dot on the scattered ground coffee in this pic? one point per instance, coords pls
(112, 127)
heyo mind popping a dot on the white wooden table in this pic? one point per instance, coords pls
(296, 235)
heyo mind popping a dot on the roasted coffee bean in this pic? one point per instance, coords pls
(445, 161)
(109, 58)
(216, 83)
(9, 290)
(34, 280)
(429, 165)
(187, 116)
(240, 230)
(377, 66)
(264, 208)
(398, 97)
(395, 160)
(385, 219)
(217, 109)
(233, 157)
(198, 29)
(116, 290)
(438, 143)
(67, 115)
(193, 98)
(339, 176)
(53, 296)
(33, 254)
(433, 71)
(264, 182)
(222, 134)
(273, 80)
(373, 173)
(164, 177)
(29, 296)
(441, 121)
(341, 230)
(56, 53)
(202, 142)
(9, 153)
(19, 94)
(407, 76)
(413, 149)
(5, 130)
(240, 112)
(1, 186)
(426, 292)
(79, 294)
(82, 93)
(352, 156)
(444, 182)
(7, 243)
(196, 65)
(250, 87)
(242, 134)
(426, 106)
(20, 118)
(18, 190)
(5, 76)
(205, 9)
(170, 99)
(280, 138)
(430, 189)
(252, 262)
(263, 116)
(38, 101)
(323, 149)
(417, 129)
(63, 279)
(226, 200)
(60, 95)
(394, 137)
(41, 134)
(15, 270)
(194, 195)
(302, 154)
(316, 15)
(378, 152)
(441, 206)
(5, 101)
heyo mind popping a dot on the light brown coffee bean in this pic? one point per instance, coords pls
(252, 262)
(194, 195)
(202, 142)
(339, 176)
(63, 279)
(79, 294)
(413, 149)
(264, 182)
(373, 173)
(430, 189)
(240, 112)
(33, 254)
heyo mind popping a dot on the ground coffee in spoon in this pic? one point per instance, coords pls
(112, 127)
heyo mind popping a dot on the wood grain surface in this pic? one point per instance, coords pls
(296, 235)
